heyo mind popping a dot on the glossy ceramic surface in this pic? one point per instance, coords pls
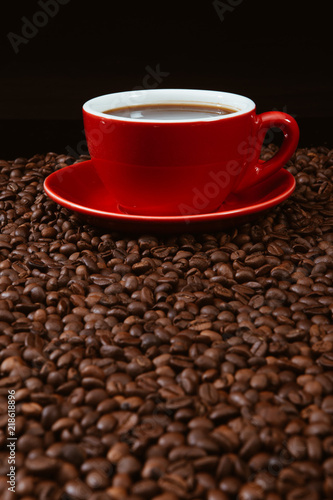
(181, 167)
(79, 188)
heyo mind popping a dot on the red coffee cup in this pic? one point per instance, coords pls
(181, 166)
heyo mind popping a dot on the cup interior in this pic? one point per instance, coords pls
(98, 105)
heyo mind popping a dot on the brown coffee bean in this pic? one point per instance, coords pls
(117, 451)
(63, 423)
(106, 423)
(28, 442)
(297, 447)
(214, 494)
(314, 448)
(174, 484)
(259, 381)
(250, 447)
(97, 479)
(154, 467)
(78, 489)
(208, 393)
(128, 465)
(230, 485)
(146, 488)
(42, 465)
(251, 491)
(171, 439)
(327, 404)
(202, 439)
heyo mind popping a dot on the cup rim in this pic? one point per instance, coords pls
(98, 105)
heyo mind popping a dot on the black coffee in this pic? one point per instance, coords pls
(170, 111)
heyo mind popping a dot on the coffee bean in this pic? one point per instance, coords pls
(230, 485)
(42, 465)
(97, 479)
(202, 439)
(28, 442)
(128, 465)
(174, 484)
(297, 446)
(106, 423)
(78, 489)
(251, 491)
(214, 494)
(208, 393)
(117, 451)
(154, 467)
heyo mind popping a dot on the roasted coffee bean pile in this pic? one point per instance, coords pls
(185, 367)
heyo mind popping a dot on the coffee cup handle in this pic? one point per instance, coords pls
(257, 172)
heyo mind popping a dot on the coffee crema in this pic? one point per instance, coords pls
(170, 111)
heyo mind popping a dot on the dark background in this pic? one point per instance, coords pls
(277, 53)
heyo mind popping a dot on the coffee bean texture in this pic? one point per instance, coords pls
(154, 367)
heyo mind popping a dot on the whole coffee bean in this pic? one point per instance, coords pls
(251, 491)
(250, 447)
(174, 484)
(202, 439)
(42, 465)
(128, 465)
(214, 494)
(206, 480)
(28, 442)
(186, 453)
(97, 479)
(230, 485)
(327, 404)
(171, 439)
(106, 423)
(154, 467)
(78, 489)
(189, 380)
(297, 446)
(208, 393)
(146, 488)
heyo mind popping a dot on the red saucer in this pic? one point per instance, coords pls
(79, 188)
